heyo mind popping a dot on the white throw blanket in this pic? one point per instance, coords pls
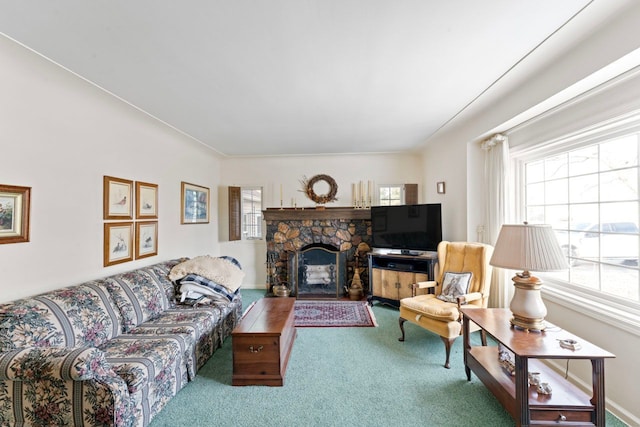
(219, 270)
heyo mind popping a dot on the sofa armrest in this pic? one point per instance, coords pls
(32, 364)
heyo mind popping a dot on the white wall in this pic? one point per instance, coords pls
(272, 172)
(60, 135)
(460, 142)
(447, 162)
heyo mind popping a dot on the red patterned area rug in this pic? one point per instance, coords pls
(333, 314)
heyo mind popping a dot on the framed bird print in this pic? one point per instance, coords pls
(146, 200)
(118, 195)
(146, 239)
(118, 242)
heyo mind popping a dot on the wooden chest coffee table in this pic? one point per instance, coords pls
(262, 343)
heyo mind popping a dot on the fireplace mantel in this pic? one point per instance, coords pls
(277, 214)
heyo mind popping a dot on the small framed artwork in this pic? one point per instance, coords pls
(118, 195)
(146, 200)
(146, 239)
(440, 187)
(195, 204)
(118, 242)
(14, 213)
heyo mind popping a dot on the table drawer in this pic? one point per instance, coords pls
(562, 415)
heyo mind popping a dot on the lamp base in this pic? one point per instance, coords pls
(528, 324)
(526, 305)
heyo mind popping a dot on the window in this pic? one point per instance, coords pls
(390, 195)
(397, 194)
(589, 194)
(251, 213)
(245, 213)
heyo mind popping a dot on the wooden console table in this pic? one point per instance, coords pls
(567, 404)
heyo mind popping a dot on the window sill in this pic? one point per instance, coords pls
(251, 241)
(618, 315)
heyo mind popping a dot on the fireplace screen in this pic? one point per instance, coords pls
(318, 271)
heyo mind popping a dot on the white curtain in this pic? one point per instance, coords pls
(496, 180)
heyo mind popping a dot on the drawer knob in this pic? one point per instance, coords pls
(252, 349)
(562, 418)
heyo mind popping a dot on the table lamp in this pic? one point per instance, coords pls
(528, 247)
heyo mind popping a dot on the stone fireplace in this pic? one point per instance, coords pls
(300, 241)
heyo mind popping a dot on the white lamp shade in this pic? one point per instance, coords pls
(528, 247)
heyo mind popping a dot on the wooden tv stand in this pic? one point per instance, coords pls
(392, 275)
(567, 404)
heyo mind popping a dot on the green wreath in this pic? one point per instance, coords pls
(320, 198)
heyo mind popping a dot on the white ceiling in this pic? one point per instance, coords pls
(294, 77)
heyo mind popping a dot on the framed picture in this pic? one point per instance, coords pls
(195, 204)
(146, 239)
(118, 242)
(118, 195)
(14, 213)
(440, 187)
(146, 200)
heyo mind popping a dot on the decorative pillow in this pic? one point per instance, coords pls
(454, 285)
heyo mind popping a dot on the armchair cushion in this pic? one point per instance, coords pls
(429, 305)
(454, 285)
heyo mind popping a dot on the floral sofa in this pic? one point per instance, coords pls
(109, 352)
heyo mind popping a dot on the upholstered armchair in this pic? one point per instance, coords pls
(463, 277)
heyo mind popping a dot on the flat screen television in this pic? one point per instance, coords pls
(407, 228)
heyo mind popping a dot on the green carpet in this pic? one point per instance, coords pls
(345, 377)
